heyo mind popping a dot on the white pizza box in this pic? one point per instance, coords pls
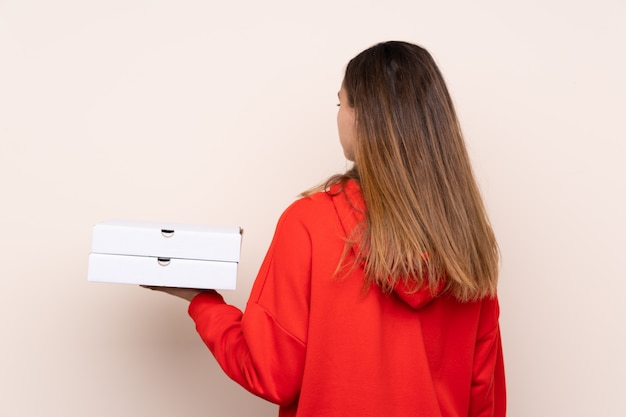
(163, 272)
(165, 254)
(168, 240)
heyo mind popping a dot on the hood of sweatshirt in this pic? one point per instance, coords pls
(350, 207)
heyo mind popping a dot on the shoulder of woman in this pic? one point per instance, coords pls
(312, 205)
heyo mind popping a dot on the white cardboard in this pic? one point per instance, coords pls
(165, 254)
(140, 238)
(144, 270)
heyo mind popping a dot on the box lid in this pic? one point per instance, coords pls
(170, 240)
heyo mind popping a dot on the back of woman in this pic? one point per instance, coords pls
(370, 353)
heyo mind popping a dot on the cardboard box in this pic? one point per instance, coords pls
(165, 254)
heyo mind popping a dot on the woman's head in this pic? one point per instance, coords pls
(401, 105)
(425, 216)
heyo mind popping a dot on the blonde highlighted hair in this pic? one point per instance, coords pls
(425, 218)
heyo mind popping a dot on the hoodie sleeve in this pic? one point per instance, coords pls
(263, 349)
(488, 392)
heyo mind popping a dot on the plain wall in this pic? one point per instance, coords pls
(222, 112)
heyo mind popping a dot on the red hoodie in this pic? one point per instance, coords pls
(317, 345)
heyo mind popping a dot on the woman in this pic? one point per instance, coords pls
(377, 296)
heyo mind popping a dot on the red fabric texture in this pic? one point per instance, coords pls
(317, 345)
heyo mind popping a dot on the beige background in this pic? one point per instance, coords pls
(222, 112)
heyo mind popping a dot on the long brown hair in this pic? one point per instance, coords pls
(425, 217)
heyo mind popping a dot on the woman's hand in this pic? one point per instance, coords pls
(184, 293)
